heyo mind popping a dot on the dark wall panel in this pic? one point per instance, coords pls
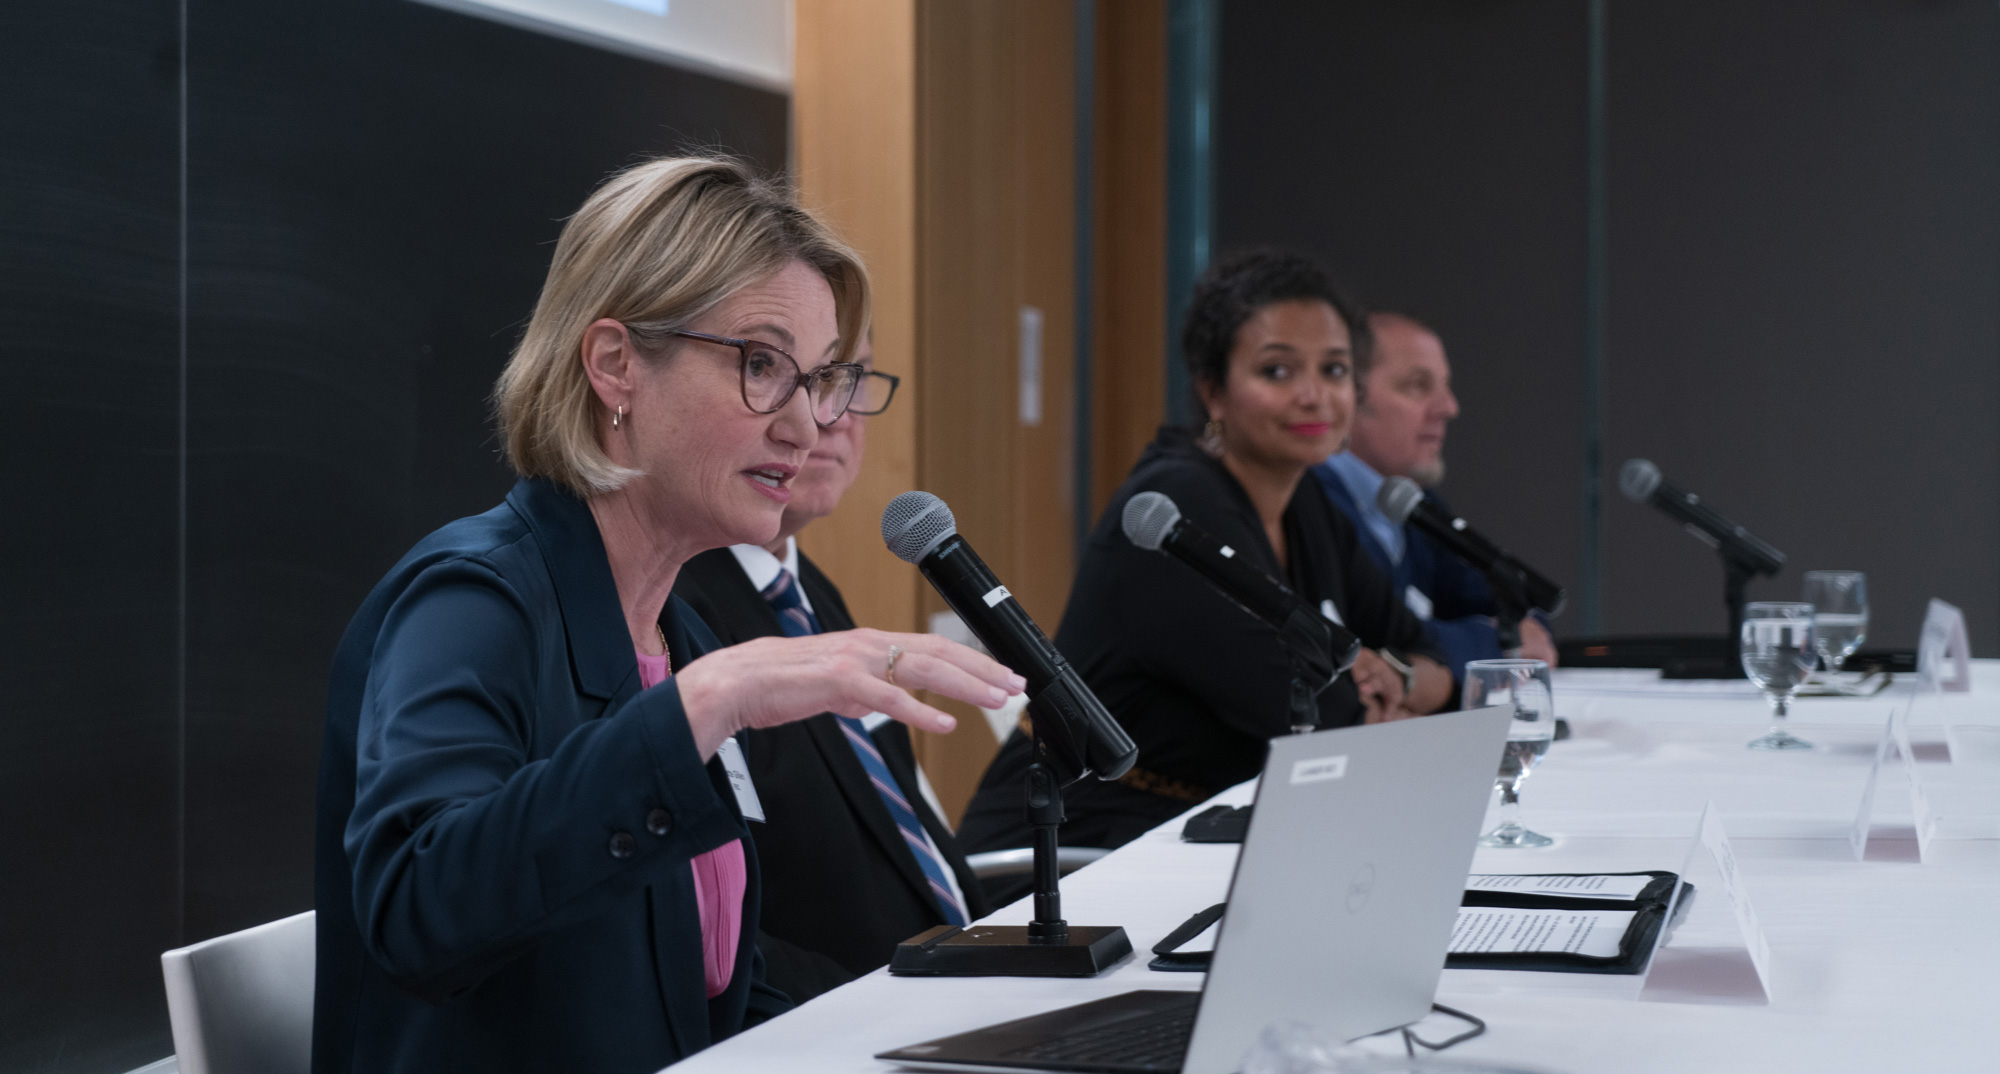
(376, 190)
(89, 418)
(1431, 153)
(1804, 277)
(1805, 299)
(373, 193)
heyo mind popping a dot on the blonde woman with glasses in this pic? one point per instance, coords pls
(531, 854)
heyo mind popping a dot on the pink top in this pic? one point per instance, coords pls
(720, 879)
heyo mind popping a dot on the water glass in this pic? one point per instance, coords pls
(1840, 614)
(1524, 685)
(1778, 655)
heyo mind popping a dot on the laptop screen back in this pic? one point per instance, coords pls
(1349, 880)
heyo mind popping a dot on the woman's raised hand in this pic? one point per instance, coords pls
(773, 681)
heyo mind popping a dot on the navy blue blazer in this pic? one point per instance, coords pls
(505, 820)
(1462, 605)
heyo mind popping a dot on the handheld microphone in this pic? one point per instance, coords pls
(1641, 482)
(1153, 521)
(1403, 501)
(919, 529)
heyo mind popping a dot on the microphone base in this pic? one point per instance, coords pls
(1702, 668)
(1689, 656)
(1009, 951)
(1217, 824)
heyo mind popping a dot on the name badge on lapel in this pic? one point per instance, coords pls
(731, 756)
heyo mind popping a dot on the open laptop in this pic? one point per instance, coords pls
(1340, 910)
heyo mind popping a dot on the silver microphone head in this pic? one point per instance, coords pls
(1398, 497)
(1148, 518)
(1637, 479)
(914, 523)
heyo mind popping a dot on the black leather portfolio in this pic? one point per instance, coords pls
(1648, 907)
(1635, 945)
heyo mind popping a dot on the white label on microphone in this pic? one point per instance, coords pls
(1228, 552)
(731, 756)
(995, 595)
(1332, 613)
(1319, 769)
(1417, 602)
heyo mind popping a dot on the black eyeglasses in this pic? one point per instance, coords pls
(770, 375)
(873, 396)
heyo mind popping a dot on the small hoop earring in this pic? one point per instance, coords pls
(617, 416)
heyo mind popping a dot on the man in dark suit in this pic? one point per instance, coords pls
(855, 856)
(1399, 427)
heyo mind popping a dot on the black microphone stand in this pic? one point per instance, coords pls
(1042, 795)
(1510, 607)
(1311, 674)
(1047, 946)
(1314, 667)
(1305, 694)
(1736, 575)
(1726, 660)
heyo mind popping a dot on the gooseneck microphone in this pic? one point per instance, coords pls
(1641, 482)
(919, 529)
(1744, 556)
(1072, 731)
(1403, 501)
(1154, 522)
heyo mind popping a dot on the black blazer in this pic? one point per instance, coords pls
(1200, 685)
(841, 888)
(505, 820)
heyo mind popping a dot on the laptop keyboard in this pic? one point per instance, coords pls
(1156, 1041)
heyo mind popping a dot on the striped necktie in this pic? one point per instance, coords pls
(796, 620)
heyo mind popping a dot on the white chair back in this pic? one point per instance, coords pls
(1000, 864)
(243, 1003)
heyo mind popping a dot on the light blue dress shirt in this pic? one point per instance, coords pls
(1364, 483)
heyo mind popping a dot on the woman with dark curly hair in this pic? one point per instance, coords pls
(1274, 350)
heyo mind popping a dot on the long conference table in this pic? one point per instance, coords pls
(1889, 963)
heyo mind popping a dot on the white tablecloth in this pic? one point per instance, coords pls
(1881, 965)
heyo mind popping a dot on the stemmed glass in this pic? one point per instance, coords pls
(1778, 655)
(1523, 684)
(1840, 614)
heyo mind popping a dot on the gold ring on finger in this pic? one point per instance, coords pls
(894, 652)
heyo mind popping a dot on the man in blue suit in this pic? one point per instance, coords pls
(1399, 427)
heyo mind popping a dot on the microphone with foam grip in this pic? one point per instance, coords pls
(1154, 522)
(1403, 501)
(1081, 734)
(1641, 482)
